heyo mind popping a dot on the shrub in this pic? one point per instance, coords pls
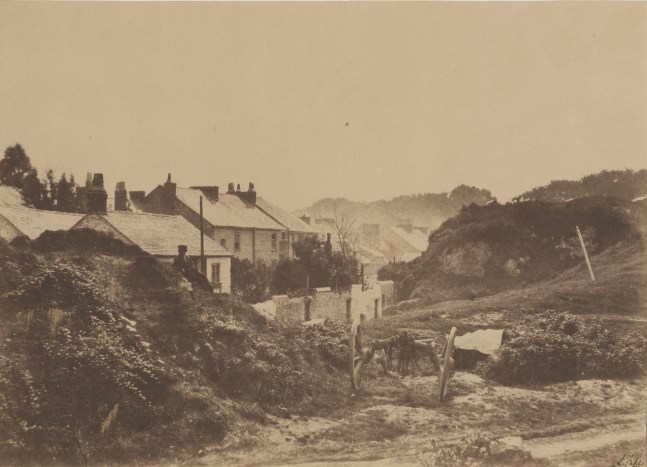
(560, 347)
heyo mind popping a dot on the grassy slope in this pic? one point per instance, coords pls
(618, 295)
(490, 249)
(221, 366)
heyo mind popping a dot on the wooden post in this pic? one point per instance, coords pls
(586, 255)
(308, 284)
(203, 265)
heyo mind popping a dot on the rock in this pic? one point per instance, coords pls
(266, 309)
(509, 449)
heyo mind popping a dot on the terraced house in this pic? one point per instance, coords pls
(246, 225)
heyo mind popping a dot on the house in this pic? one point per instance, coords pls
(296, 228)
(23, 221)
(404, 242)
(160, 235)
(157, 234)
(249, 227)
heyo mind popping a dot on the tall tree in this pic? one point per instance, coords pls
(50, 191)
(32, 189)
(15, 166)
(66, 194)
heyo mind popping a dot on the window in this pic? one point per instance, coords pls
(237, 241)
(284, 235)
(223, 242)
(215, 273)
(273, 242)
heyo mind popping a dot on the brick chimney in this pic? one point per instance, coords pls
(248, 196)
(209, 192)
(168, 196)
(121, 197)
(97, 196)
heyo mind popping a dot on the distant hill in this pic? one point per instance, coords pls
(489, 249)
(623, 184)
(429, 209)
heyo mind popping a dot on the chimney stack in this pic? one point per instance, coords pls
(97, 195)
(168, 196)
(251, 194)
(121, 197)
(230, 188)
(306, 219)
(209, 192)
(248, 196)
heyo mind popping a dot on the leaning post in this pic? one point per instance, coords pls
(586, 255)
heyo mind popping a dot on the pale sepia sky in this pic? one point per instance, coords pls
(361, 100)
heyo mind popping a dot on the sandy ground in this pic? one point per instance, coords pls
(398, 421)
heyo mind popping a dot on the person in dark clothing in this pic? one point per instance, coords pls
(185, 265)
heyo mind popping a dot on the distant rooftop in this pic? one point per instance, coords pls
(33, 222)
(10, 196)
(160, 235)
(228, 211)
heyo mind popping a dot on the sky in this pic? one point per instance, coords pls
(365, 101)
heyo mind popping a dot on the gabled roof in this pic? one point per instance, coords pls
(10, 196)
(228, 211)
(160, 235)
(290, 221)
(33, 222)
(415, 238)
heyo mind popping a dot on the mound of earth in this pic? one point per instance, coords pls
(98, 368)
(488, 249)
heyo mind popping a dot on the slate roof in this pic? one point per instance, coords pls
(290, 221)
(415, 238)
(10, 196)
(160, 234)
(33, 222)
(228, 211)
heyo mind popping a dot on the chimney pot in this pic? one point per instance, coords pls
(238, 187)
(251, 187)
(168, 179)
(97, 196)
(121, 197)
(230, 188)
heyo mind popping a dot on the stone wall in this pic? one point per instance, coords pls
(340, 307)
(388, 293)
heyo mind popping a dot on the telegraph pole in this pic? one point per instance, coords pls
(203, 266)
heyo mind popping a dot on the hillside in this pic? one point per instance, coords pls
(489, 249)
(107, 356)
(618, 297)
(623, 184)
(428, 209)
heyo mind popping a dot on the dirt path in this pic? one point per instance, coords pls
(398, 421)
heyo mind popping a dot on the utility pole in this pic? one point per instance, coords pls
(586, 255)
(203, 265)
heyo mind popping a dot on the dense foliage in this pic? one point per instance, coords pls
(252, 282)
(314, 268)
(48, 193)
(99, 365)
(551, 347)
(67, 361)
(625, 184)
